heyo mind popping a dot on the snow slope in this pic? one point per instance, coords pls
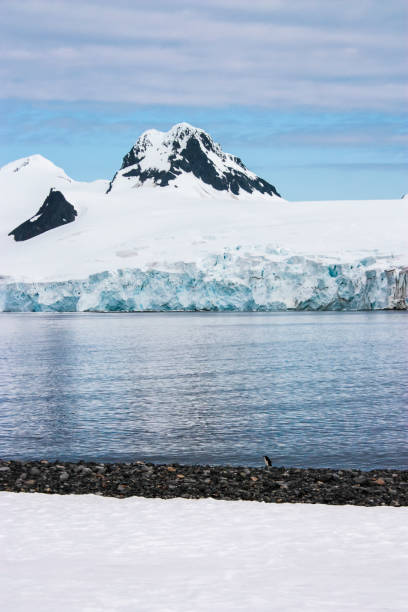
(26, 182)
(88, 553)
(160, 248)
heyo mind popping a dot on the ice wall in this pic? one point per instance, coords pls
(225, 281)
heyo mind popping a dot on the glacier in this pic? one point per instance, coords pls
(160, 242)
(226, 281)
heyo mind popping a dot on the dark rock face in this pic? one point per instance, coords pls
(270, 484)
(194, 157)
(54, 212)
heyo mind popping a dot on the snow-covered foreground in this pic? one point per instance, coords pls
(87, 553)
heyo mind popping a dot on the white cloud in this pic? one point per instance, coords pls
(303, 52)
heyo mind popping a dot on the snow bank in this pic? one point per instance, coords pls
(94, 554)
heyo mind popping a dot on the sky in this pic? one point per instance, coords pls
(311, 94)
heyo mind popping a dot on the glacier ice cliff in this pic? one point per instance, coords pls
(228, 281)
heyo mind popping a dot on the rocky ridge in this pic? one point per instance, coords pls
(54, 212)
(161, 158)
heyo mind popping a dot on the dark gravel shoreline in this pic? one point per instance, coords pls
(275, 484)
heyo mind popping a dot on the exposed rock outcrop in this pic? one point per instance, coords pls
(161, 158)
(54, 212)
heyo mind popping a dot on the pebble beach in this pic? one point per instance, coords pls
(273, 484)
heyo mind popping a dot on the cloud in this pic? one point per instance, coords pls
(273, 53)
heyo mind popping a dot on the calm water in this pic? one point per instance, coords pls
(308, 389)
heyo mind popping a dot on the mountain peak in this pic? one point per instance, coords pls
(164, 159)
(33, 163)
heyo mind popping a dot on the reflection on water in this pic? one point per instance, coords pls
(308, 389)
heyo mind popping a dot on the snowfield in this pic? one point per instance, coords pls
(88, 553)
(187, 246)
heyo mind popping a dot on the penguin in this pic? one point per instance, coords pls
(268, 462)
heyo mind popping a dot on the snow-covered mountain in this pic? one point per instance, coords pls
(185, 245)
(26, 183)
(187, 157)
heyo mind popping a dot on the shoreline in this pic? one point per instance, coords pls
(382, 487)
(403, 308)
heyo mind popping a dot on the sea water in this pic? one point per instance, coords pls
(312, 389)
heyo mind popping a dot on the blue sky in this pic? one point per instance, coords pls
(310, 94)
